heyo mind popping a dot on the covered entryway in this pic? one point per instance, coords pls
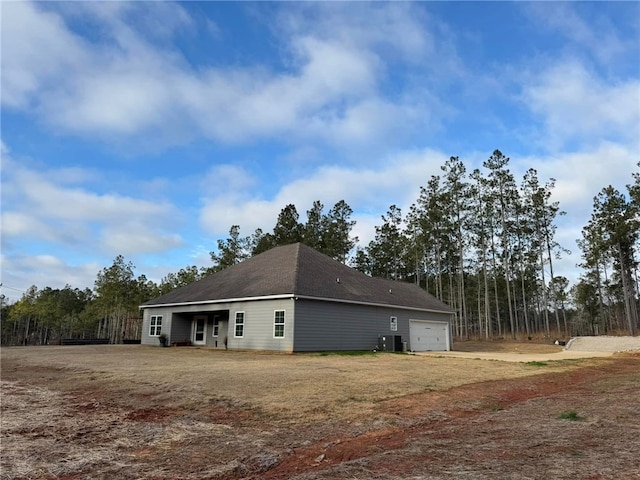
(427, 336)
(199, 329)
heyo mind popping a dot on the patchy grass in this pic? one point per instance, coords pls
(131, 412)
(292, 388)
(537, 364)
(570, 415)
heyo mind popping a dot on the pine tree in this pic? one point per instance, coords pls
(231, 251)
(504, 195)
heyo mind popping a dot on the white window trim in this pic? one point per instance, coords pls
(235, 324)
(155, 318)
(216, 326)
(393, 322)
(284, 317)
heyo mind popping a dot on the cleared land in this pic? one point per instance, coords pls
(126, 412)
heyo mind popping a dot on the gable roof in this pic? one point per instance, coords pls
(300, 271)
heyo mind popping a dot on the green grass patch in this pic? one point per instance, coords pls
(570, 415)
(537, 364)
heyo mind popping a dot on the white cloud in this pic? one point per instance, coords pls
(36, 209)
(130, 239)
(228, 178)
(365, 190)
(399, 27)
(17, 224)
(582, 175)
(578, 106)
(235, 104)
(127, 86)
(51, 201)
(218, 215)
(37, 48)
(119, 101)
(123, 87)
(19, 272)
(600, 37)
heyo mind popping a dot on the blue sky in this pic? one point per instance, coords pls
(147, 129)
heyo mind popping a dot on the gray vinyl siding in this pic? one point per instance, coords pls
(322, 325)
(317, 325)
(258, 325)
(145, 338)
(180, 327)
(223, 329)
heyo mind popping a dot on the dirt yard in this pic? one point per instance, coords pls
(132, 412)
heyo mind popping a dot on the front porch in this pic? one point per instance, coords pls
(204, 328)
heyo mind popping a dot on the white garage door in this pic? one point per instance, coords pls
(428, 336)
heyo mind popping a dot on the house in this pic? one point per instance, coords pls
(294, 299)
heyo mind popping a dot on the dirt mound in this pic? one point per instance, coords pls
(603, 344)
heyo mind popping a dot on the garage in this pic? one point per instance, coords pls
(427, 336)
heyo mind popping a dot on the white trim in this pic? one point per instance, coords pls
(284, 320)
(235, 323)
(194, 326)
(224, 300)
(155, 327)
(295, 297)
(215, 327)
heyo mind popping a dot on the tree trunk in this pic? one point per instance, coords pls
(26, 331)
(495, 284)
(629, 309)
(544, 294)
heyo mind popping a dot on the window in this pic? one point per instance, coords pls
(393, 324)
(239, 330)
(216, 325)
(155, 325)
(278, 324)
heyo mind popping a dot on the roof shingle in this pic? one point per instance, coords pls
(299, 270)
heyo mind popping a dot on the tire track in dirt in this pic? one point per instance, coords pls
(434, 412)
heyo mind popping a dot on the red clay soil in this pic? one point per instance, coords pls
(512, 415)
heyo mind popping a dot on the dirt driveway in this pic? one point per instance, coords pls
(577, 347)
(131, 412)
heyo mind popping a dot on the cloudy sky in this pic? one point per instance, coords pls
(148, 129)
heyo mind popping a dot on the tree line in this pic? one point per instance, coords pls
(607, 293)
(329, 233)
(483, 242)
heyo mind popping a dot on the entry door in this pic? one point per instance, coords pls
(200, 330)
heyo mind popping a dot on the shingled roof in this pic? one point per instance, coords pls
(299, 270)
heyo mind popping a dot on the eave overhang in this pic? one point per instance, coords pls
(296, 297)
